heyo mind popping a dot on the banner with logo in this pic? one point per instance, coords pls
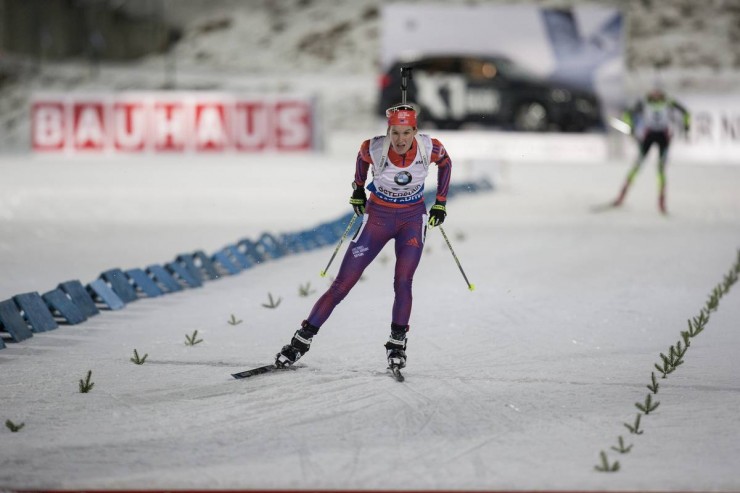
(171, 122)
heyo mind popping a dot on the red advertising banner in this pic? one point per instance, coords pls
(171, 122)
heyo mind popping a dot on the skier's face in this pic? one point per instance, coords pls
(402, 137)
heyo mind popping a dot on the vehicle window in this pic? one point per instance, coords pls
(513, 70)
(479, 70)
(439, 65)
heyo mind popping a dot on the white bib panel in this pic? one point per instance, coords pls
(399, 185)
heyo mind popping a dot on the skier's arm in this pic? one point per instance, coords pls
(629, 114)
(362, 164)
(685, 113)
(444, 169)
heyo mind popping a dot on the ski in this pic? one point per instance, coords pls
(259, 370)
(396, 373)
(603, 207)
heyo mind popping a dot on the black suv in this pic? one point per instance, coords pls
(470, 91)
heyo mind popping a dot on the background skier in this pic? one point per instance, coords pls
(651, 120)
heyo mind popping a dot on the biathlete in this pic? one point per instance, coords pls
(400, 163)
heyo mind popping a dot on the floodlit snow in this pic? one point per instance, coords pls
(517, 385)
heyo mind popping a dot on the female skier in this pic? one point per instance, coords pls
(395, 211)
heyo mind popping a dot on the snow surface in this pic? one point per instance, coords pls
(519, 384)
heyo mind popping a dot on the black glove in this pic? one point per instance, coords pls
(358, 199)
(437, 214)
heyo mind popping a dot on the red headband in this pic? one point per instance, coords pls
(402, 117)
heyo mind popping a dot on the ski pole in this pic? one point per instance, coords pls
(341, 240)
(470, 286)
(406, 75)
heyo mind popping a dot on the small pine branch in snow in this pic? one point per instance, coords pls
(729, 281)
(654, 387)
(686, 337)
(86, 385)
(621, 447)
(677, 353)
(666, 369)
(674, 359)
(649, 406)
(713, 301)
(233, 320)
(635, 428)
(14, 427)
(192, 340)
(272, 303)
(137, 360)
(605, 466)
(696, 325)
(305, 290)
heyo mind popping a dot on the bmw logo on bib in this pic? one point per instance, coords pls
(403, 178)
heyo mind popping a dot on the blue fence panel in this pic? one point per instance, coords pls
(63, 306)
(143, 282)
(80, 297)
(203, 262)
(187, 260)
(180, 271)
(249, 250)
(100, 291)
(35, 312)
(120, 284)
(236, 255)
(222, 259)
(164, 278)
(12, 321)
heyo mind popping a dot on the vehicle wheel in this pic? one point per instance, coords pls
(531, 117)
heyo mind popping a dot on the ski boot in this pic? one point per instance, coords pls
(396, 346)
(299, 345)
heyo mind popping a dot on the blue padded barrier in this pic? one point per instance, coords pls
(291, 242)
(186, 259)
(326, 234)
(180, 271)
(35, 312)
(248, 249)
(80, 297)
(270, 246)
(61, 305)
(222, 259)
(204, 263)
(100, 291)
(120, 284)
(144, 283)
(164, 278)
(238, 257)
(12, 321)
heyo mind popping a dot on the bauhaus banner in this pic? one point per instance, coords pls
(171, 122)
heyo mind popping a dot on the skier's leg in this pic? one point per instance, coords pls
(409, 247)
(363, 248)
(644, 148)
(662, 161)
